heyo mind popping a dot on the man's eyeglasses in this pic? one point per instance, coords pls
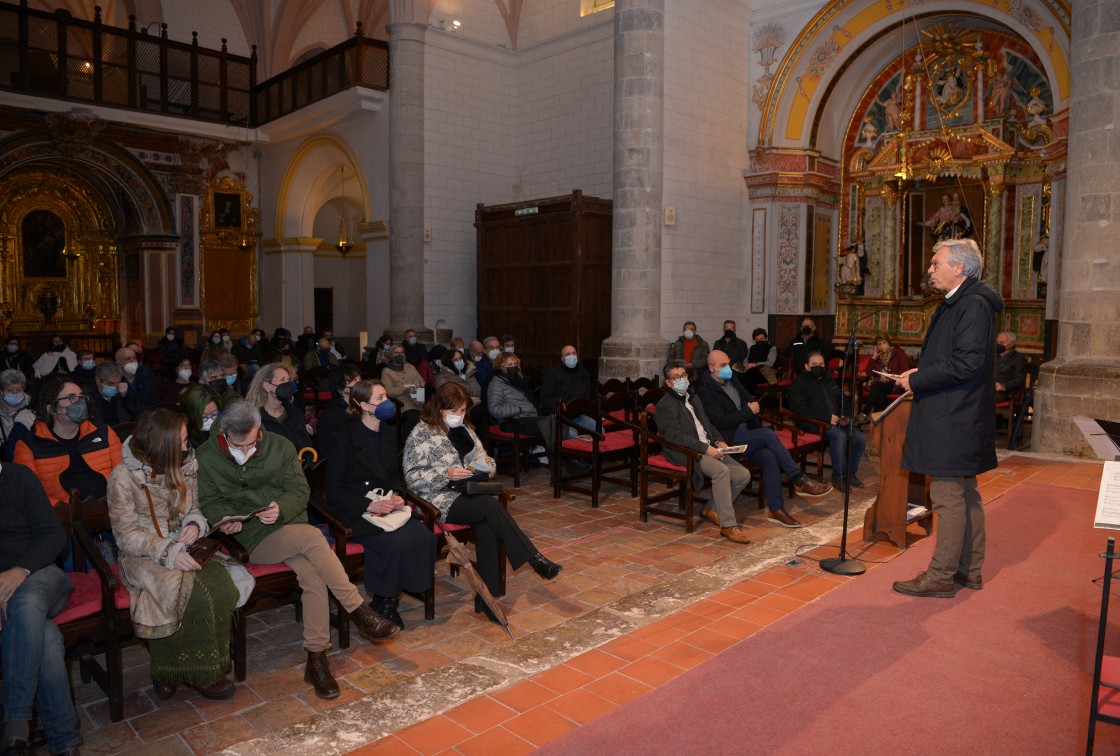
(677, 376)
(66, 401)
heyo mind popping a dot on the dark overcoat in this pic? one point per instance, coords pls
(952, 422)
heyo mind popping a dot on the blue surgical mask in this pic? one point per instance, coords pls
(571, 361)
(725, 373)
(459, 365)
(109, 391)
(231, 379)
(15, 399)
(681, 385)
(385, 411)
(88, 364)
(77, 412)
(13, 348)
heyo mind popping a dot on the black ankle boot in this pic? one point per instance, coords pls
(544, 567)
(386, 606)
(481, 607)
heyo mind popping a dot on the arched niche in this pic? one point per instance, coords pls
(322, 169)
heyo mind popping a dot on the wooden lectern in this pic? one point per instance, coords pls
(886, 519)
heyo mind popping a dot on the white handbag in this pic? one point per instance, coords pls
(387, 522)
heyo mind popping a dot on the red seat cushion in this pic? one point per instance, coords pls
(658, 460)
(354, 548)
(452, 527)
(261, 570)
(611, 442)
(1003, 405)
(497, 432)
(785, 435)
(85, 601)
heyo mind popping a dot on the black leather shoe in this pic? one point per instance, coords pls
(387, 608)
(481, 607)
(371, 626)
(219, 690)
(544, 567)
(318, 675)
(164, 691)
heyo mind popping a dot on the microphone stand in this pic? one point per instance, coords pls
(843, 564)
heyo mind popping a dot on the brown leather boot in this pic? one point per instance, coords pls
(318, 675)
(372, 627)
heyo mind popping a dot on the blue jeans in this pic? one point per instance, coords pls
(35, 660)
(837, 438)
(764, 449)
(583, 421)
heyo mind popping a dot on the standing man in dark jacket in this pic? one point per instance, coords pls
(814, 393)
(952, 431)
(681, 421)
(732, 411)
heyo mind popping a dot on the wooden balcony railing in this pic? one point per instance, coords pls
(56, 55)
(357, 62)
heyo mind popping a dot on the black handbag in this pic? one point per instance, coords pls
(478, 484)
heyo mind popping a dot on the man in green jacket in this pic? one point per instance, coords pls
(242, 471)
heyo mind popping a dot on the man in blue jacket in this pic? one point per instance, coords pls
(951, 436)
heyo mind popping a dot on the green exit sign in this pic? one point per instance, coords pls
(526, 211)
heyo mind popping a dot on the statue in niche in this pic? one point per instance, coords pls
(950, 221)
(1038, 256)
(892, 109)
(848, 268)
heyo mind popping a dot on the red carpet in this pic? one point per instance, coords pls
(867, 670)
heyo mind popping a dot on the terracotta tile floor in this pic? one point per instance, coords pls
(612, 562)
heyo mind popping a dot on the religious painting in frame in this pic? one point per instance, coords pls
(44, 241)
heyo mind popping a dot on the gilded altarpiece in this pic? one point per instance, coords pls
(228, 233)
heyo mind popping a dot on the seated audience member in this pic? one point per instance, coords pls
(476, 352)
(210, 374)
(214, 347)
(16, 358)
(1011, 366)
(235, 385)
(336, 348)
(805, 343)
(509, 344)
(565, 381)
(436, 356)
(414, 351)
(731, 410)
(458, 343)
(272, 392)
(243, 469)
(83, 373)
(281, 342)
(306, 341)
(333, 417)
(249, 353)
(437, 454)
(321, 356)
(681, 420)
(402, 382)
(731, 345)
(16, 416)
(378, 354)
(172, 351)
(32, 591)
(761, 358)
(485, 366)
(173, 390)
(889, 359)
(58, 361)
(509, 400)
(180, 608)
(114, 403)
(456, 369)
(141, 381)
(366, 459)
(202, 407)
(65, 449)
(815, 394)
(690, 348)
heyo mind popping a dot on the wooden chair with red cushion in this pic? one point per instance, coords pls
(509, 446)
(311, 384)
(677, 478)
(801, 444)
(611, 448)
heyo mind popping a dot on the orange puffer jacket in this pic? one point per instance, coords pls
(49, 458)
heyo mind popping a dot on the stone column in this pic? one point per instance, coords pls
(635, 347)
(287, 265)
(1084, 377)
(406, 170)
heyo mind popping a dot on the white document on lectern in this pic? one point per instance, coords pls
(1108, 500)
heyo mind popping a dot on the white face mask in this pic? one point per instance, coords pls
(216, 340)
(207, 424)
(131, 368)
(493, 354)
(681, 386)
(452, 420)
(185, 375)
(571, 360)
(509, 350)
(689, 333)
(241, 457)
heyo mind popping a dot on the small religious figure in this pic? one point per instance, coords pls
(868, 132)
(848, 266)
(1038, 257)
(1001, 94)
(940, 223)
(892, 109)
(949, 87)
(962, 219)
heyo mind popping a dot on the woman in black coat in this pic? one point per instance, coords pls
(366, 459)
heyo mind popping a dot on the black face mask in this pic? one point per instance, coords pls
(218, 385)
(513, 373)
(284, 392)
(818, 372)
(1000, 349)
(729, 335)
(806, 330)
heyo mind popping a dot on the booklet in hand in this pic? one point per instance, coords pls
(885, 374)
(230, 518)
(735, 449)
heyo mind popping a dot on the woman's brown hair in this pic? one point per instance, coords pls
(361, 392)
(158, 443)
(449, 396)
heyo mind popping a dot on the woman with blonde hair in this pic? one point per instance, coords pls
(364, 460)
(437, 456)
(272, 392)
(182, 608)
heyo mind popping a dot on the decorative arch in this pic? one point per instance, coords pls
(836, 37)
(314, 169)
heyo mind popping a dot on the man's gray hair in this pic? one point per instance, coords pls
(239, 418)
(673, 365)
(963, 251)
(109, 372)
(12, 378)
(209, 370)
